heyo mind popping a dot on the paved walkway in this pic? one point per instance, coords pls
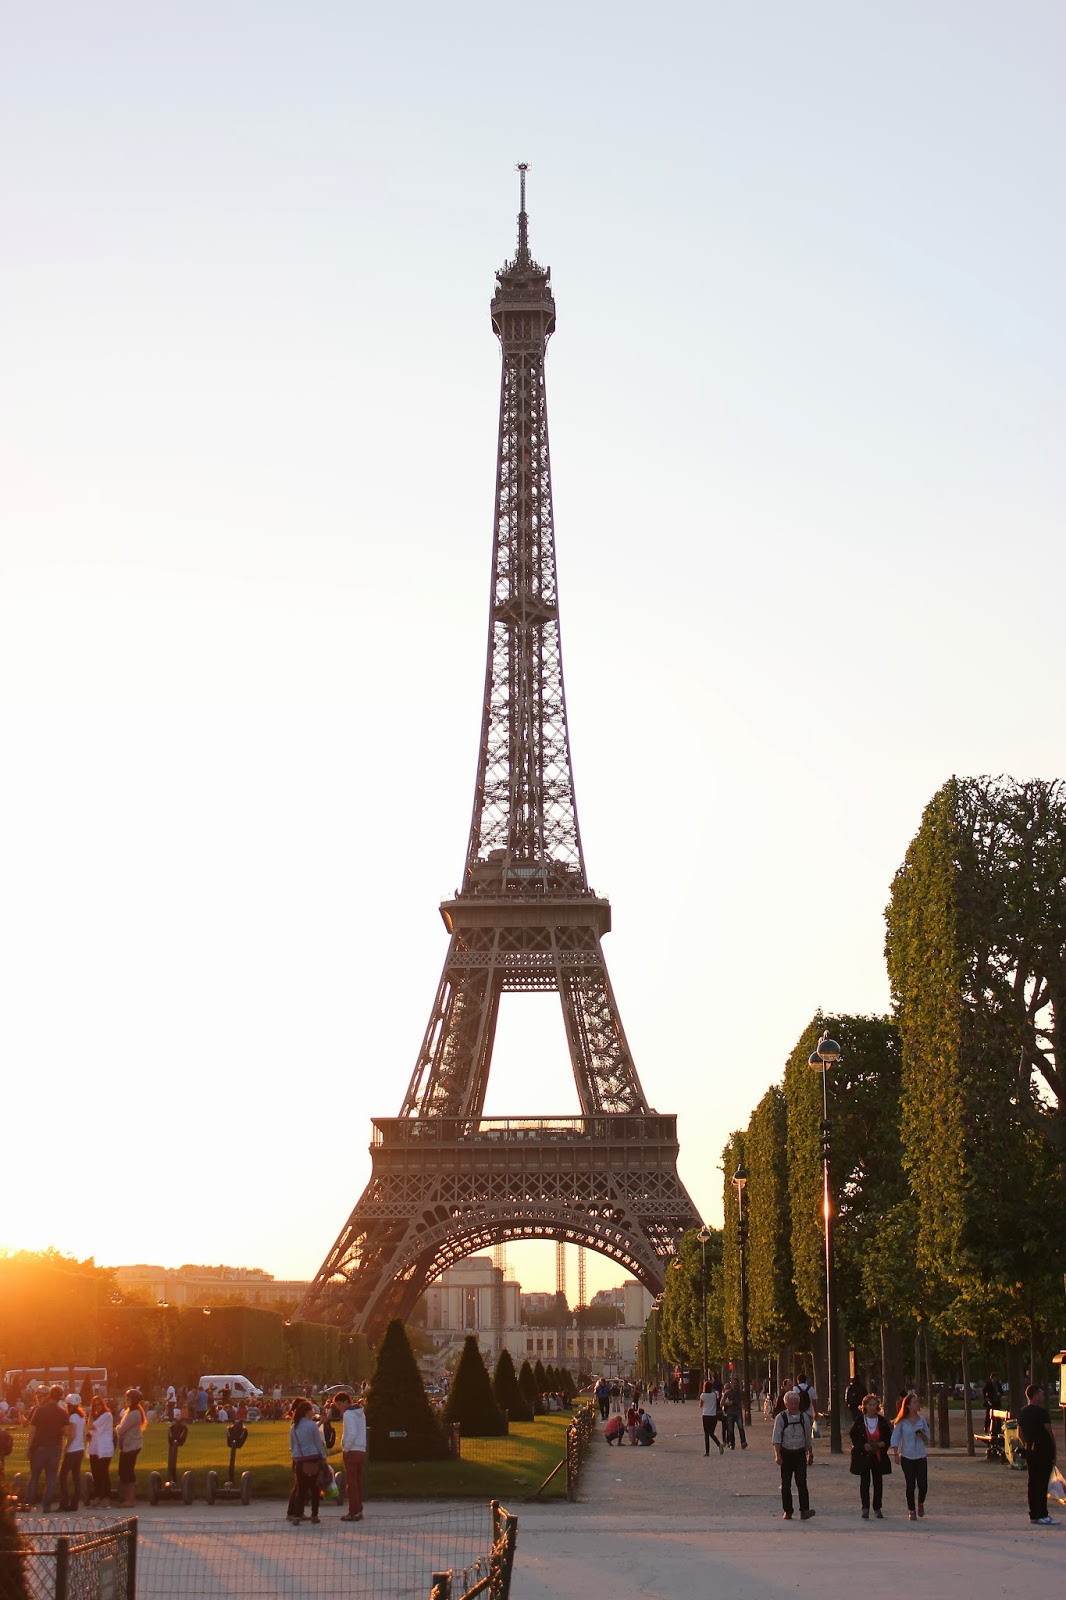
(666, 1522)
(669, 1522)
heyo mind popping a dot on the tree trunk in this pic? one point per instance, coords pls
(933, 1419)
(891, 1365)
(1016, 1376)
(967, 1403)
(818, 1371)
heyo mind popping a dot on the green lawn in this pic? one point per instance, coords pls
(507, 1469)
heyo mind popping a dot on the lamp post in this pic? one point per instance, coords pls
(827, 1054)
(704, 1236)
(740, 1183)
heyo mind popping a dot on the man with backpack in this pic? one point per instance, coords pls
(794, 1452)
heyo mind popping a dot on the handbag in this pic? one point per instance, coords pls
(309, 1466)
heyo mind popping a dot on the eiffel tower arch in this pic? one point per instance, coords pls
(446, 1180)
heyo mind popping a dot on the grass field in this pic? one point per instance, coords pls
(510, 1468)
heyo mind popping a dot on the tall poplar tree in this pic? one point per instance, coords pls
(774, 1316)
(976, 950)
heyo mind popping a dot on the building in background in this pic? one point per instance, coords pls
(474, 1297)
(209, 1286)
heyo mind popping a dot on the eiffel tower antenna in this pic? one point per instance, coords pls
(446, 1180)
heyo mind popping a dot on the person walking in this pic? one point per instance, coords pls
(870, 1435)
(73, 1455)
(1038, 1437)
(130, 1436)
(794, 1452)
(101, 1449)
(910, 1447)
(353, 1448)
(733, 1409)
(709, 1406)
(308, 1449)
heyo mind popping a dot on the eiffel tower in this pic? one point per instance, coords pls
(445, 1180)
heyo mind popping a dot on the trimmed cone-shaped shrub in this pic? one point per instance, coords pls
(540, 1377)
(470, 1398)
(568, 1386)
(12, 1568)
(528, 1385)
(506, 1391)
(400, 1422)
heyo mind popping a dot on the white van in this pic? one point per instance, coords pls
(240, 1387)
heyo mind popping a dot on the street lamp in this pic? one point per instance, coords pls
(704, 1236)
(827, 1054)
(740, 1183)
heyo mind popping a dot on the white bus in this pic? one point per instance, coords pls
(75, 1378)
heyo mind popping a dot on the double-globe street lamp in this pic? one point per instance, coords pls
(740, 1181)
(827, 1054)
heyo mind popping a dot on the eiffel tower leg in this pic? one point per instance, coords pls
(451, 1074)
(603, 1067)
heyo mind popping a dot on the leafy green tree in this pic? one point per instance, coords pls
(507, 1392)
(976, 949)
(732, 1158)
(774, 1316)
(471, 1402)
(13, 1584)
(866, 1170)
(681, 1313)
(400, 1422)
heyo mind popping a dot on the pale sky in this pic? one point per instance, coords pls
(806, 413)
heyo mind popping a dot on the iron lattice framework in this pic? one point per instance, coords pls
(445, 1180)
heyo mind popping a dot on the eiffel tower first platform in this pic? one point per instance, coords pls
(445, 1180)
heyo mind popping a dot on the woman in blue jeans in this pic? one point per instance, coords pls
(910, 1437)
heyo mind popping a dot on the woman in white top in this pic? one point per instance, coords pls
(711, 1412)
(910, 1436)
(73, 1452)
(101, 1449)
(130, 1436)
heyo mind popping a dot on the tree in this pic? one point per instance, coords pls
(976, 950)
(681, 1315)
(774, 1316)
(528, 1385)
(866, 1169)
(540, 1378)
(400, 1422)
(470, 1400)
(506, 1391)
(732, 1158)
(13, 1568)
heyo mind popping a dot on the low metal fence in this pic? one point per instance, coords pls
(577, 1442)
(387, 1557)
(59, 1560)
(495, 1580)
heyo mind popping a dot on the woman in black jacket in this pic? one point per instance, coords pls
(871, 1435)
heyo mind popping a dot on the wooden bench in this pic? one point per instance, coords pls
(993, 1441)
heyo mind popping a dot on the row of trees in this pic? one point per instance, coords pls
(55, 1311)
(948, 1129)
(402, 1424)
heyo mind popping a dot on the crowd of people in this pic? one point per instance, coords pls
(877, 1441)
(64, 1436)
